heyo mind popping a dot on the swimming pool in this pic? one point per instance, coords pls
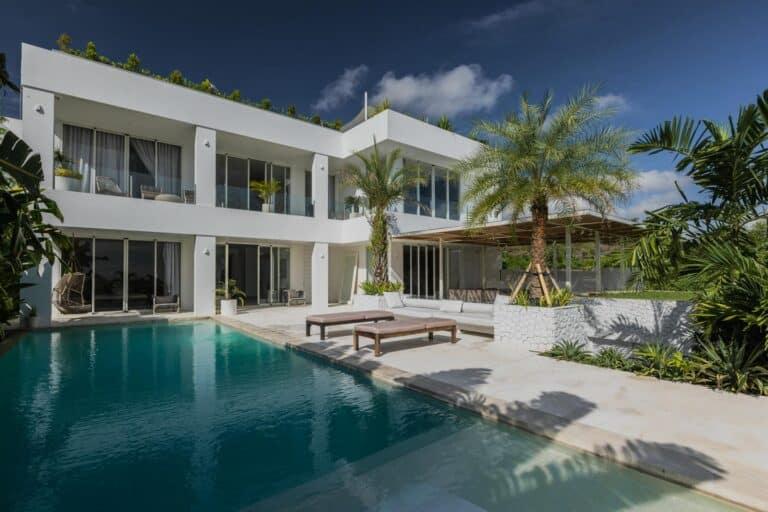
(198, 416)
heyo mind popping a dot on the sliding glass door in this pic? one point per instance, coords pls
(420, 271)
(235, 178)
(262, 272)
(125, 274)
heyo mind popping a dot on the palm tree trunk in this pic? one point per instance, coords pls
(379, 246)
(539, 216)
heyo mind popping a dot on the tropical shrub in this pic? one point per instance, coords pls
(266, 189)
(561, 297)
(609, 357)
(68, 173)
(663, 362)
(732, 366)
(570, 351)
(373, 288)
(231, 291)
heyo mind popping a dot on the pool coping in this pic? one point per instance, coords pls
(578, 435)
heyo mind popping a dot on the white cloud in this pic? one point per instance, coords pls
(456, 91)
(612, 101)
(656, 189)
(515, 13)
(341, 89)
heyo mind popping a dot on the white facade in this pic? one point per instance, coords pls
(198, 219)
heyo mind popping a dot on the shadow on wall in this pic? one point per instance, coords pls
(624, 323)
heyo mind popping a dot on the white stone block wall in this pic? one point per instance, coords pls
(627, 322)
(538, 327)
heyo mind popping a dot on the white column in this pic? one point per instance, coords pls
(38, 117)
(568, 255)
(205, 166)
(440, 270)
(320, 186)
(205, 275)
(598, 264)
(320, 276)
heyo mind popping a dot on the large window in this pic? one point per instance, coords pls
(117, 164)
(235, 178)
(420, 271)
(436, 196)
(125, 274)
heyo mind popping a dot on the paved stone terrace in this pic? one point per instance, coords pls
(713, 441)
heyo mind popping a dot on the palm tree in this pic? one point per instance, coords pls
(538, 158)
(382, 186)
(5, 79)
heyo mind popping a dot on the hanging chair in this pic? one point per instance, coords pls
(68, 294)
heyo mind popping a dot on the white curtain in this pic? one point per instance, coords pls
(145, 149)
(169, 169)
(170, 254)
(110, 157)
(78, 150)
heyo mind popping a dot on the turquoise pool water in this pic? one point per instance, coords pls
(200, 417)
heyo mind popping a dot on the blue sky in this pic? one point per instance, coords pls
(471, 60)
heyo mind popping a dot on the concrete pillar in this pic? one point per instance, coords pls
(320, 186)
(482, 267)
(205, 275)
(38, 295)
(440, 271)
(320, 276)
(568, 256)
(205, 166)
(37, 113)
(598, 264)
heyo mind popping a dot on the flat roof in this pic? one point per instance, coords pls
(583, 226)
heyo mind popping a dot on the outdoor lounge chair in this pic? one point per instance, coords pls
(295, 297)
(165, 302)
(68, 295)
(106, 185)
(148, 192)
(351, 317)
(403, 327)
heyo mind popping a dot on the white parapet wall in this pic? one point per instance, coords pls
(538, 327)
(629, 322)
(362, 302)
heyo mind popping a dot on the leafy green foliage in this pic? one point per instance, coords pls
(570, 351)
(445, 124)
(522, 298)
(68, 173)
(373, 288)
(732, 367)
(663, 362)
(382, 186)
(231, 291)
(266, 189)
(176, 77)
(609, 357)
(26, 239)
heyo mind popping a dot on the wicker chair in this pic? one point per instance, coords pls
(68, 296)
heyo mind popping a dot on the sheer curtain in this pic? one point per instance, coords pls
(110, 157)
(169, 266)
(169, 168)
(141, 165)
(78, 150)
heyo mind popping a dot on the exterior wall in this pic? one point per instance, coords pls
(538, 328)
(627, 322)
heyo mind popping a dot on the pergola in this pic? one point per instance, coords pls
(578, 227)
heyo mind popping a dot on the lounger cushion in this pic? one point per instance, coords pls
(451, 306)
(422, 303)
(440, 323)
(349, 316)
(393, 327)
(416, 312)
(393, 300)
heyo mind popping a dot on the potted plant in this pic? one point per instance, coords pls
(65, 178)
(266, 189)
(353, 204)
(229, 297)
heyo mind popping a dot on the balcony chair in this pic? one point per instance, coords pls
(148, 192)
(189, 195)
(295, 297)
(165, 302)
(106, 185)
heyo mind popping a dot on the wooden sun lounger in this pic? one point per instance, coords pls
(351, 317)
(403, 327)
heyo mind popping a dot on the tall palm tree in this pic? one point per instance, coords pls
(382, 187)
(539, 158)
(5, 79)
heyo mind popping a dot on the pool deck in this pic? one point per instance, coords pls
(713, 441)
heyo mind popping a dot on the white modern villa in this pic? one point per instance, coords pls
(165, 207)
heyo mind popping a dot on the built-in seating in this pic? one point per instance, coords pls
(470, 316)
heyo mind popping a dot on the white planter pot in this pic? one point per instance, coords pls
(539, 328)
(64, 183)
(362, 302)
(229, 307)
(265, 207)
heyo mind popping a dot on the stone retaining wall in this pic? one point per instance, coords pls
(536, 327)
